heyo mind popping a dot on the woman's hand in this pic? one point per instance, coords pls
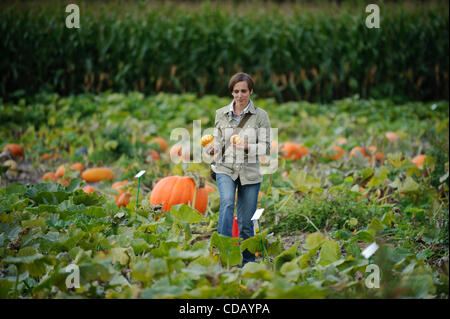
(210, 149)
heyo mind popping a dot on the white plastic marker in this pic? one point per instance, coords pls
(138, 175)
(257, 226)
(370, 250)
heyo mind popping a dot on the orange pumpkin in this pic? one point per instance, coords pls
(237, 140)
(93, 175)
(118, 186)
(207, 139)
(15, 149)
(372, 149)
(163, 145)
(418, 160)
(154, 154)
(360, 150)
(88, 189)
(293, 151)
(46, 157)
(49, 176)
(60, 171)
(64, 182)
(123, 199)
(77, 166)
(337, 153)
(209, 189)
(379, 157)
(173, 190)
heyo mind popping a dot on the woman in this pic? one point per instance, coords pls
(239, 167)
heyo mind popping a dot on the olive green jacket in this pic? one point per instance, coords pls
(237, 162)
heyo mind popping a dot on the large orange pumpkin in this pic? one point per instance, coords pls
(93, 175)
(173, 190)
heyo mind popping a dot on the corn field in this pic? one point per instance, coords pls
(303, 56)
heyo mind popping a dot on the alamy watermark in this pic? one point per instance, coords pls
(256, 146)
(73, 19)
(73, 279)
(373, 19)
(373, 279)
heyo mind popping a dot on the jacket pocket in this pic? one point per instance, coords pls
(252, 171)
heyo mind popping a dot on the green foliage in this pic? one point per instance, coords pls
(317, 220)
(173, 50)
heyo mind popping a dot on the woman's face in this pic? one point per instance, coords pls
(241, 94)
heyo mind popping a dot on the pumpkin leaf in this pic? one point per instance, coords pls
(329, 253)
(184, 213)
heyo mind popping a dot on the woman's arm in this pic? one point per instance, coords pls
(217, 145)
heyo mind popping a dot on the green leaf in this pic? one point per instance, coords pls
(379, 178)
(74, 184)
(119, 255)
(5, 287)
(139, 245)
(286, 256)
(158, 266)
(407, 186)
(303, 181)
(366, 173)
(162, 289)
(314, 240)
(253, 244)
(329, 253)
(95, 212)
(375, 226)
(365, 236)
(185, 213)
(38, 222)
(187, 254)
(257, 271)
(230, 254)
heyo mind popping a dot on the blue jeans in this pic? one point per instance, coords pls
(247, 199)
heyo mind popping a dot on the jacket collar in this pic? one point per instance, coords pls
(249, 108)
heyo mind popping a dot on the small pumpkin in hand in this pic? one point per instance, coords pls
(207, 139)
(235, 139)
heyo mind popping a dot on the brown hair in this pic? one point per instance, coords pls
(239, 77)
